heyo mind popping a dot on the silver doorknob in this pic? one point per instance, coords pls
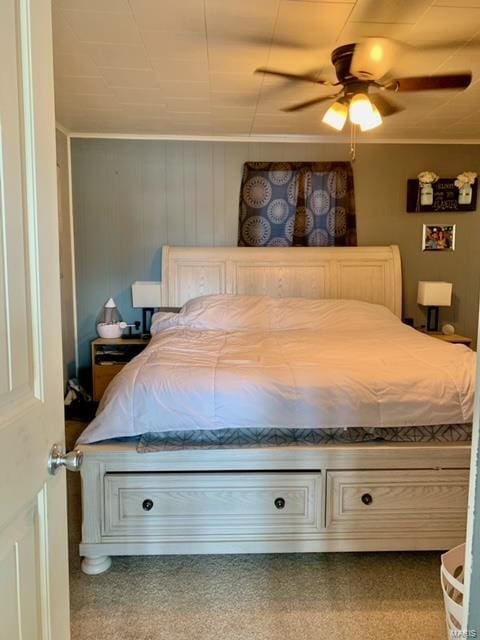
(58, 458)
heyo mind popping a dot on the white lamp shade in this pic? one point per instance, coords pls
(374, 121)
(434, 294)
(360, 110)
(147, 294)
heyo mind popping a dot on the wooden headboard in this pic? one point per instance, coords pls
(372, 274)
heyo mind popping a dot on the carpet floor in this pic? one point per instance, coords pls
(363, 596)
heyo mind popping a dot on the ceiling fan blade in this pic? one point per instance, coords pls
(374, 57)
(275, 41)
(308, 103)
(385, 105)
(294, 76)
(429, 83)
(444, 45)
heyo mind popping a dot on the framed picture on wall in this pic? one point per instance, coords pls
(438, 237)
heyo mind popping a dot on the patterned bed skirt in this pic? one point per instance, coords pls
(257, 437)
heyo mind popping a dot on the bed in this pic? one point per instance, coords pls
(285, 408)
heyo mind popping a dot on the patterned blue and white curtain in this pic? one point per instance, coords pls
(285, 204)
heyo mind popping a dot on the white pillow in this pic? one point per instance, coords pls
(220, 312)
(315, 314)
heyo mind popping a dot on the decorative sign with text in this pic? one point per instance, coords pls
(445, 197)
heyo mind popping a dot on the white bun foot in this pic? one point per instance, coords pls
(94, 566)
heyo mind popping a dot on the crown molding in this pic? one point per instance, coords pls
(286, 138)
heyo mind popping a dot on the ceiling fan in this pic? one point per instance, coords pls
(362, 73)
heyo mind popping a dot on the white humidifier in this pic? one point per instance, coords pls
(110, 324)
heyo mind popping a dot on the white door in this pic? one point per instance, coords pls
(33, 550)
(472, 547)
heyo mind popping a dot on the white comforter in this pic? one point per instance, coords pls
(243, 361)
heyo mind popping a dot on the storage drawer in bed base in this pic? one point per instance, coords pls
(427, 501)
(187, 506)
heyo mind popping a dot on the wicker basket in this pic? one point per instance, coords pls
(452, 575)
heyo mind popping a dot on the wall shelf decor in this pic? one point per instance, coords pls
(445, 197)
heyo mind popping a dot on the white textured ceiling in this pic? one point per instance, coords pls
(185, 67)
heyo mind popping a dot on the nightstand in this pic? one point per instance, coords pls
(453, 339)
(109, 356)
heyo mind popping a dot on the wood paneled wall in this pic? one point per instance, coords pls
(131, 197)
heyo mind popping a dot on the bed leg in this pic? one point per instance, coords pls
(95, 565)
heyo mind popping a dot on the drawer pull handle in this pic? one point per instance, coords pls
(279, 503)
(367, 499)
(147, 505)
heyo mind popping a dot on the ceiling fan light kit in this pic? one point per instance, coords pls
(361, 110)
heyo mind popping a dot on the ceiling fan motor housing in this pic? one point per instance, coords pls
(341, 60)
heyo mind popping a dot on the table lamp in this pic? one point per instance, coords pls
(148, 297)
(433, 295)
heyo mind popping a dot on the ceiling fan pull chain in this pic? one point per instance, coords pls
(353, 140)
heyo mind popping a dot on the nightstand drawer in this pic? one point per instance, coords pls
(397, 500)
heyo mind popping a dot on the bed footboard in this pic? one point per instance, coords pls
(355, 497)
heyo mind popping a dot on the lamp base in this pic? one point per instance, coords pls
(147, 313)
(432, 319)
